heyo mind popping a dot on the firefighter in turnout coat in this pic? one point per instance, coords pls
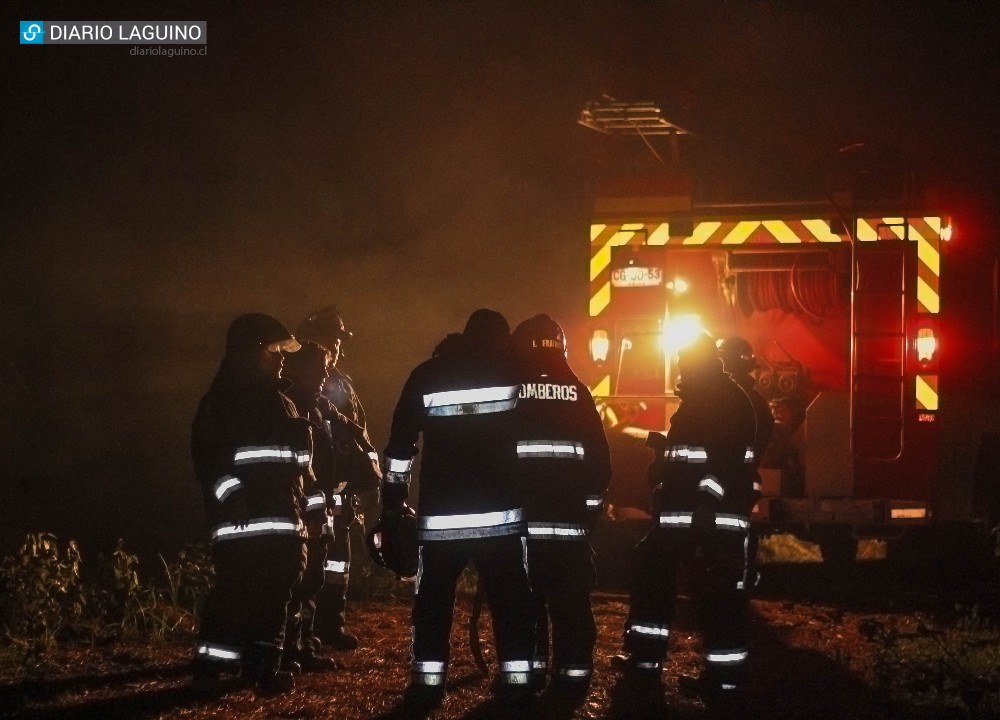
(252, 457)
(307, 369)
(358, 469)
(701, 508)
(565, 466)
(469, 510)
(739, 361)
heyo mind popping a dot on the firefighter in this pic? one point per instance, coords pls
(461, 400)
(739, 361)
(252, 456)
(307, 369)
(564, 463)
(701, 507)
(326, 328)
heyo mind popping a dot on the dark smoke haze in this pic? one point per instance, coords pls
(410, 162)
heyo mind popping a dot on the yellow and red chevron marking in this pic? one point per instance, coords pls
(927, 392)
(926, 232)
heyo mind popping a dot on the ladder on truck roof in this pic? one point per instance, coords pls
(639, 119)
(623, 118)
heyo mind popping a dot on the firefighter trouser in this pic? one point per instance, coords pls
(562, 577)
(302, 608)
(243, 620)
(715, 561)
(501, 566)
(331, 603)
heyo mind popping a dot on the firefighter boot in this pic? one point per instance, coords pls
(724, 699)
(206, 678)
(628, 664)
(422, 699)
(268, 678)
(565, 695)
(312, 663)
(305, 658)
(330, 618)
(512, 700)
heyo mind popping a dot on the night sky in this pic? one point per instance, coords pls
(410, 162)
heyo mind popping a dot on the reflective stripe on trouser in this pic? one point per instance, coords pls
(727, 667)
(501, 567)
(575, 673)
(515, 672)
(216, 652)
(331, 603)
(428, 672)
(253, 584)
(336, 572)
(562, 578)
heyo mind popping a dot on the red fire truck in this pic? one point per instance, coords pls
(840, 302)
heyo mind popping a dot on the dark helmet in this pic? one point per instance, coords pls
(451, 343)
(309, 354)
(700, 357)
(539, 333)
(737, 356)
(324, 327)
(392, 542)
(486, 328)
(257, 330)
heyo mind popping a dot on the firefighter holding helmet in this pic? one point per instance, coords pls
(701, 507)
(252, 457)
(460, 401)
(564, 464)
(357, 465)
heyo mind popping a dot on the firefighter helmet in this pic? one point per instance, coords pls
(256, 330)
(392, 542)
(486, 328)
(310, 354)
(699, 357)
(324, 326)
(737, 356)
(539, 333)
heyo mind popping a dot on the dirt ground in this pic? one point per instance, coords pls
(810, 660)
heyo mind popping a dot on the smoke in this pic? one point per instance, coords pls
(409, 163)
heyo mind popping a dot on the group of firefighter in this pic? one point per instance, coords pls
(513, 470)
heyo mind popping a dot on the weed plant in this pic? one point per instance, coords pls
(44, 600)
(937, 670)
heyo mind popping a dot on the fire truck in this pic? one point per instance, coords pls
(840, 301)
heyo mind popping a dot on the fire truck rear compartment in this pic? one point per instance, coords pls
(835, 458)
